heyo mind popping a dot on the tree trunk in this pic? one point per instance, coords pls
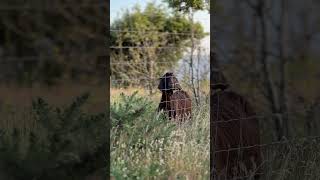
(198, 74)
(191, 58)
(283, 33)
(151, 75)
(267, 81)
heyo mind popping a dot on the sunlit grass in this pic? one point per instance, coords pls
(115, 93)
(162, 151)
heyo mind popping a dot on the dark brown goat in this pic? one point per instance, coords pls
(174, 101)
(234, 129)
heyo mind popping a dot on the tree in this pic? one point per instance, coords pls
(275, 41)
(189, 7)
(141, 39)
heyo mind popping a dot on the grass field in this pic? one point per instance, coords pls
(145, 145)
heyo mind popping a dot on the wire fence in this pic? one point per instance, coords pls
(267, 167)
(268, 163)
(235, 137)
(147, 71)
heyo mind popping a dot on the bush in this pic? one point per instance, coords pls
(63, 143)
(145, 144)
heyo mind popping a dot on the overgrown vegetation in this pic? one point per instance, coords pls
(142, 38)
(145, 145)
(292, 161)
(49, 142)
(49, 42)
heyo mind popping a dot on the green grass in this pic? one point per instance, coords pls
(145, 145)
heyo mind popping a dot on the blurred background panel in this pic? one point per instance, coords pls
(53, 89)
(269, 52)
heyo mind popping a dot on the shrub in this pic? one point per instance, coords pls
(64, 143)
(146, 145)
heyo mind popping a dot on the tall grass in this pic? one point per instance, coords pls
(297, 160)
(146, 145)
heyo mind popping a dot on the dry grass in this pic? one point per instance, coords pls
(155, 97)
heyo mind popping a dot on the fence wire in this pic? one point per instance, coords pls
(147, 68)
(219, 125)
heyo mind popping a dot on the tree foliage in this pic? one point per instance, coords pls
(187, 5)
(149, 36)
(64, 143)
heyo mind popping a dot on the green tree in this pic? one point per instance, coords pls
(189, 7)
(143, 38)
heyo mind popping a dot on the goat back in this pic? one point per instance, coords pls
(181, 104)
(234, 125)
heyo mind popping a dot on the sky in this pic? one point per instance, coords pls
(117, 6)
